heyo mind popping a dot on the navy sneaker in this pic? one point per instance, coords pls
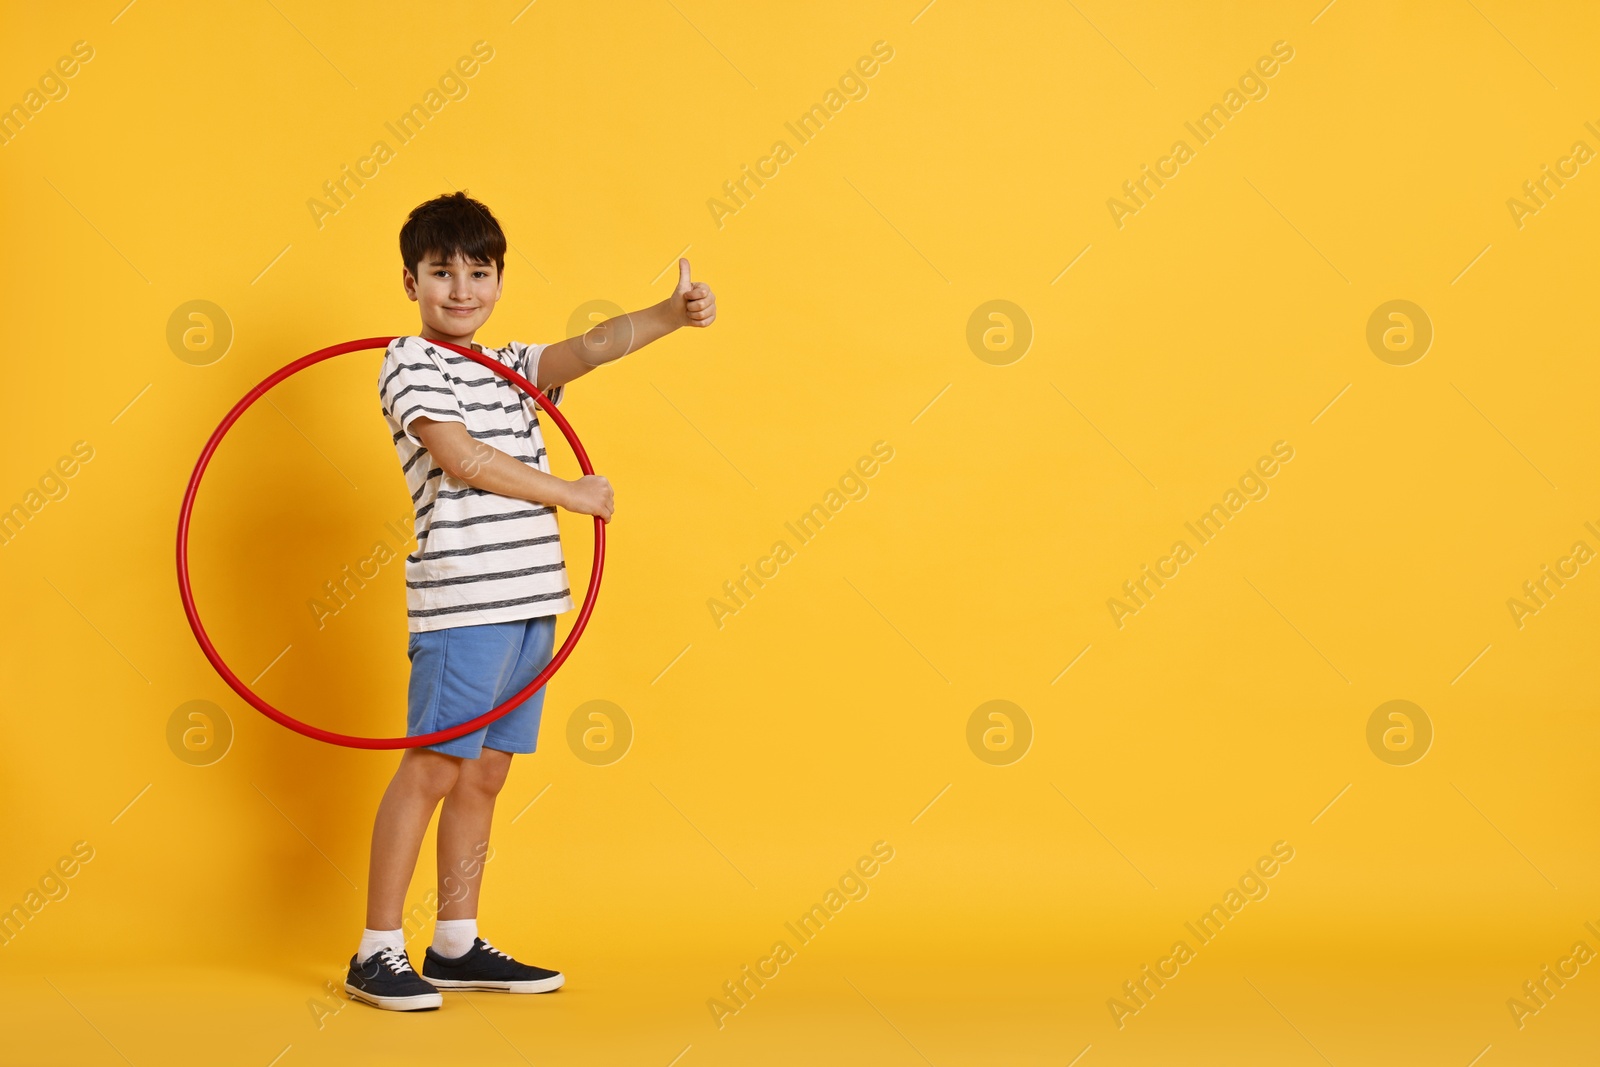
(386, 980)
(487, 968)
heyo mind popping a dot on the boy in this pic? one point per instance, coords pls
(482, 589)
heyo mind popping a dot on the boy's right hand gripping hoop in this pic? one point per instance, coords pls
(349, 740)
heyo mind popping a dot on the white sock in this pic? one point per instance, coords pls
(373, 940)
(454, 937)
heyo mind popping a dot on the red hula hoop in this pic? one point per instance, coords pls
(349, 740)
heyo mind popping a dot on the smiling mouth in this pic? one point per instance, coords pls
(460, 310)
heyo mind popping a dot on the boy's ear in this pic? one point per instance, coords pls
(408, 282)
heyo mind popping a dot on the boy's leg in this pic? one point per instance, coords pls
(380, 972)
(463, 837)
(459, 958)
(469, 809)
(424, 778)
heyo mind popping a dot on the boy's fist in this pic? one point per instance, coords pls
(591, 495)
(692, 303)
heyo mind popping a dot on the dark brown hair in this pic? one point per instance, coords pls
(450, 224)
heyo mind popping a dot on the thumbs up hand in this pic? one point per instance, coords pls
(691, 303)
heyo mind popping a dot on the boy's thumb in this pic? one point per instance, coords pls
(683, 275)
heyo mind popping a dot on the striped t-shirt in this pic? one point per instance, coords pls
(480, 557)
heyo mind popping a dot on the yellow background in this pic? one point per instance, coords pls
(1228, 714)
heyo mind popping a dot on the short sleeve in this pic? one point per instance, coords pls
(412, 384)
(527, 365)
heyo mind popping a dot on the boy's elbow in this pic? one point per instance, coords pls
(455, 451)
(459, 465)
(468, 462)
(452, 466)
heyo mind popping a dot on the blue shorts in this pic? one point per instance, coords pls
(460, 672)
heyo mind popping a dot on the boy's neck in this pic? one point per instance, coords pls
(463, 340)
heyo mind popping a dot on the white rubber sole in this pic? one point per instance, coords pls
(542, 985)
(422, 1002)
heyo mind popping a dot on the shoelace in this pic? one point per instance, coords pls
(395, 960)
(490, 948)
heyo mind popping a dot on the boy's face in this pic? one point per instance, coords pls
(454, 295)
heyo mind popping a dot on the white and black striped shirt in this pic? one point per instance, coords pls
(480, 557)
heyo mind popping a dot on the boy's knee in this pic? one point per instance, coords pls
(487, 774)
(434, 773)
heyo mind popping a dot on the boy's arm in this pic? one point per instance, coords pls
(691, 304)
(485, 467)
